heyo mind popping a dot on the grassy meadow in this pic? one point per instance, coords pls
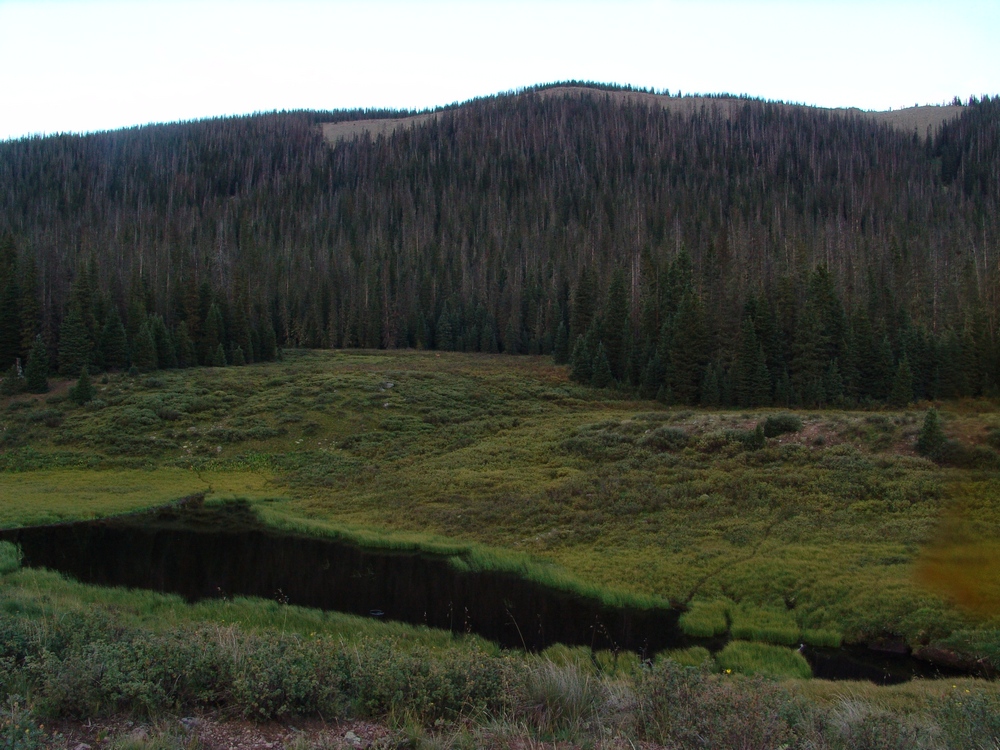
(835, 530)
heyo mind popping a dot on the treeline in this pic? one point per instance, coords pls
(779, 239)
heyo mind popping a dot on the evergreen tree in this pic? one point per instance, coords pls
(187, 355)
(809, 362)
(902, 385)
(833, 383)
(31, 305)
(582, 370)
(238, 360)
(584, 302)
(13, 382)
(689, 350)
(10, 319)
(268, 341)
(218, 357)
(75, 348)
(561, 348)
(711, 392)
(931, 438)
(114, 345)
(615, 325)
(144, 350)
(214, 333)
(166, 356)
(83, 391)
(36, 373)
(602, 376)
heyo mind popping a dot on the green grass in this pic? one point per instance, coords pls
(502, 463)
(762, 659)
(706, 619)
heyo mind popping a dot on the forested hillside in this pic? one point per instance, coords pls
(769, 254)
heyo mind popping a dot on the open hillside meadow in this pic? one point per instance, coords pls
(823, 527)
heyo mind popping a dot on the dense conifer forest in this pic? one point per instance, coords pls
(774, 255)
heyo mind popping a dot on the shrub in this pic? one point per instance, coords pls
(970, 720)
(993, 437)
(684, 707)
(665, 439)
(779, 424)
(860, 725)
(705, 619)
(764, 660)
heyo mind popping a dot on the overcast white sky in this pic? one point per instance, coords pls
(81, 65)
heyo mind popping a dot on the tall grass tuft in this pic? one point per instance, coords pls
(10, 557)
(763, 624)
(563, 699)
(705, 619)
(764, 660)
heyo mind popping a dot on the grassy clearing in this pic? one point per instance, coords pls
(762, 659)
(500, 462)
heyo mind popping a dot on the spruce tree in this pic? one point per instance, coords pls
(10, 319)
(114, 345)
(689, 350)
(219, 357)
(13, 382)
(902, 385)
(36, 373)
(74, 344)
(582, 370)
(187, 355)
(931, 438)
(561, 351)
(615, 325)
(602, 376)
(166, 356)
(144, 350)
(237, 359)
(83, 391)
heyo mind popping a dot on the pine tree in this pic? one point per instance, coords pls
(114, 345)
(218, 357)
(602, 376)
(13, 382)
(187, 355)
(931, 438)
(31, 306)
(582, 370)
(561, 348)
(689, 350)
(615, 325)
(237, 359)
(75, 349)
(584, 302)
(902, 385)
(166, 356)
(144, 350)
(36, 373)
(711, 393)
(214, 333)
(83, 391)
(10, 319)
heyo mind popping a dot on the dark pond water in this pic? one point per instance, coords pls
(201, 552)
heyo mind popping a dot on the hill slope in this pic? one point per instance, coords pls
(733, 253)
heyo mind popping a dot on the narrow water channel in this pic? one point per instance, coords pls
(207, 552)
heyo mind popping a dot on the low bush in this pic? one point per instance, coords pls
(681, 707)
(664, 439)
(779, 424)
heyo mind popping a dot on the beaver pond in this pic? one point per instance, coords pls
(200, 551)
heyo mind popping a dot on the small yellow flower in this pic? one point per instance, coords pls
(729, 671)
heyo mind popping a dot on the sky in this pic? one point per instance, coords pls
(85, 65)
